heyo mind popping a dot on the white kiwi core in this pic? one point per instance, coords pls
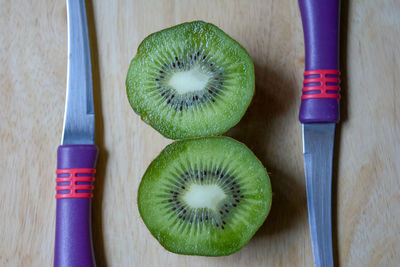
(204, 196)
(191, 80)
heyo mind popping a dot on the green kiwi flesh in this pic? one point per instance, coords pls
(190, 80)
(205, 196)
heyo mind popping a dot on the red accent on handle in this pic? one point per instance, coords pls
(72, 179)
(323, 87)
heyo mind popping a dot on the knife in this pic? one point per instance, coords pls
(319, 112)
(77, 154)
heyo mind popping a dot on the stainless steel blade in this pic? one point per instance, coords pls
(79, 110)
(318, 140)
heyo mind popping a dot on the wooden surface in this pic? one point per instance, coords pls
(33, 61)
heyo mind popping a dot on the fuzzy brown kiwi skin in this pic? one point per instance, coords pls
(201, 254)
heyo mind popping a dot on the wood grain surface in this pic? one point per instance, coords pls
(33, 64)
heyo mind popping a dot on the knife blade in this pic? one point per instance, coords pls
(319, 112)
(318, 153)
(79, 109)
(77, 154)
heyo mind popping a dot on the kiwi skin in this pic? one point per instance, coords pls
(158, 165)
(231, 114)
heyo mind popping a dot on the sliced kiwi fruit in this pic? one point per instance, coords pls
(205, 196)
(190, 80)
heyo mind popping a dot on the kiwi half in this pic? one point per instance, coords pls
(190, 80)
(204, 196)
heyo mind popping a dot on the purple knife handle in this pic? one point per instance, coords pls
(73, 244)
(321, 36)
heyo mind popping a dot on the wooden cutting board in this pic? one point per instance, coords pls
(33, 57)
